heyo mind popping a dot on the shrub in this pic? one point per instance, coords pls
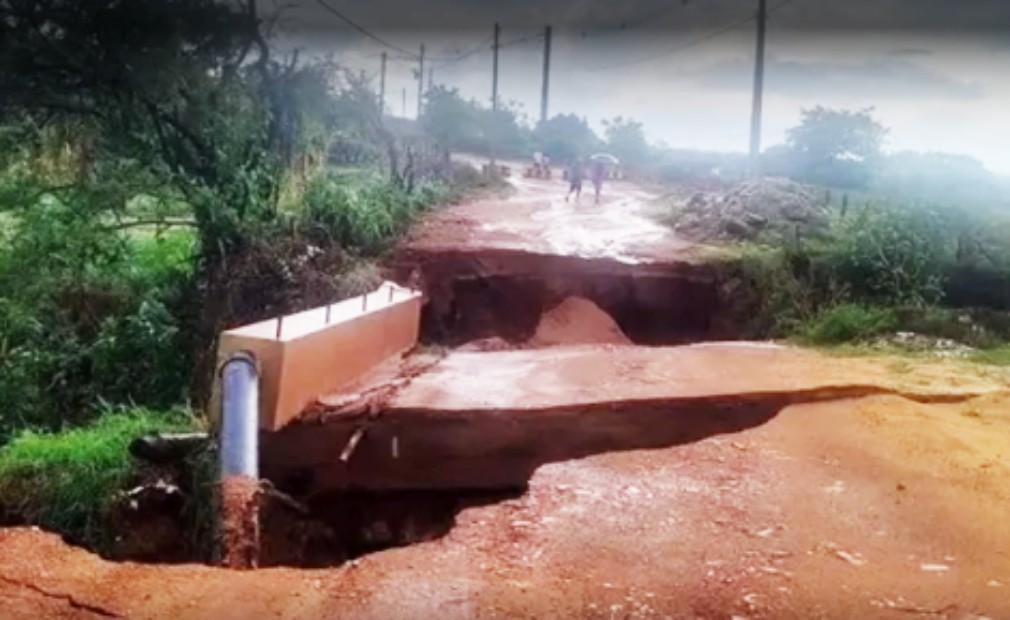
(848, 323)
(892, 254)
(67, 481)
(363, 214)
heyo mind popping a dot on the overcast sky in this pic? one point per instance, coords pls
(936, 71)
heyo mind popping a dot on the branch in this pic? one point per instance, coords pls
(155, 222)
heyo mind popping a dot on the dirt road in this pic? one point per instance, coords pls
(878, 506)
(537, 219)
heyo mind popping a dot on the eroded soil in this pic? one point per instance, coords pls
(875, 507)
(665, 483)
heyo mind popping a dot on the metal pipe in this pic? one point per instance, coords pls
(240, 417)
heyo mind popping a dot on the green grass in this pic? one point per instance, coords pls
(155, 258)
(999, 356)
(66, 481)
(848, 323)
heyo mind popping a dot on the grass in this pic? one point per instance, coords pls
(66, 481)
(999, 356)
(848, 323)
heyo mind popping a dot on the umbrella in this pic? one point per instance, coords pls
(605, 157)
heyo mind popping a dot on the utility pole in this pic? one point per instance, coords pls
(547, 74)
(754, 165)
(420, 83)
(494, 75)
(494, 88)
(431, 77)
(382, 86)
(404, 102)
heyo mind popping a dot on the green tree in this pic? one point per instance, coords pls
(626, 140)
(565, 136)
(837, 147)
(451, 121)
(187, 89)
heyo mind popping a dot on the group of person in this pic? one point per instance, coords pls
(576, 172)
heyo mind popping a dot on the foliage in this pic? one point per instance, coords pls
(186, 90)
(86, 317)
(366, 215)
(848, 323)
(565, 137)
(67, 481)
(457, 124)
(892, 253)
(626, 140)
(937, 178)
(836, 147)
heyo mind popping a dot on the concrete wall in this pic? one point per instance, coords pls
(313, 357)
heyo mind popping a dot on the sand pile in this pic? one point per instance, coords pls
(577, 321)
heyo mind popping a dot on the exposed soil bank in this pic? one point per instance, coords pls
(871, 508)
(472, 295)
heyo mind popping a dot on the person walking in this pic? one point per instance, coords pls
(596, 174)
(574, 179)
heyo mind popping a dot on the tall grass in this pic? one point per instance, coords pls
(66, 481)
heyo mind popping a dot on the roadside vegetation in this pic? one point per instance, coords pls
(165, 174)
(907, 251)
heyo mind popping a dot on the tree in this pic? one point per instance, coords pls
(455, 123)
(565, 136)
(837, 147)
(449, 119)
(626, 140)
(938, 178)
(187, 90)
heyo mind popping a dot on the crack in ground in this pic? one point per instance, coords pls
(68, 598)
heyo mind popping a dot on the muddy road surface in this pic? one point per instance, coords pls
(492, 268)
(886, 501)
(876, 507)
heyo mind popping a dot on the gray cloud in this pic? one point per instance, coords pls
(981, 17)
(910, 52)
(886, 78)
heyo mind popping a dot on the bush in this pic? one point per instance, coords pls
(67, 481)
(363, 214)
(892, 254)
(86, 316)
(848, 323)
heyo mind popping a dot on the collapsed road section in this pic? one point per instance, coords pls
(487, 420)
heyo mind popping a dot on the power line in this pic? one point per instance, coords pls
(445, 62)
(680, 48)
(365, 32)
(633, 23)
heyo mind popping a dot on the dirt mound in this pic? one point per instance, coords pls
(768, 209)
(577, 320)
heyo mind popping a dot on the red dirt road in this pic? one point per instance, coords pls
(877, 507)
(538, 220)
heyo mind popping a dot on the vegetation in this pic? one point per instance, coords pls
(69, 481)
(165, 174)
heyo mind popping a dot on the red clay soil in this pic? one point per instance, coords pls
(489, 420)
(577, 321)
(870, 508)
(240, 540)
(537, 219)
